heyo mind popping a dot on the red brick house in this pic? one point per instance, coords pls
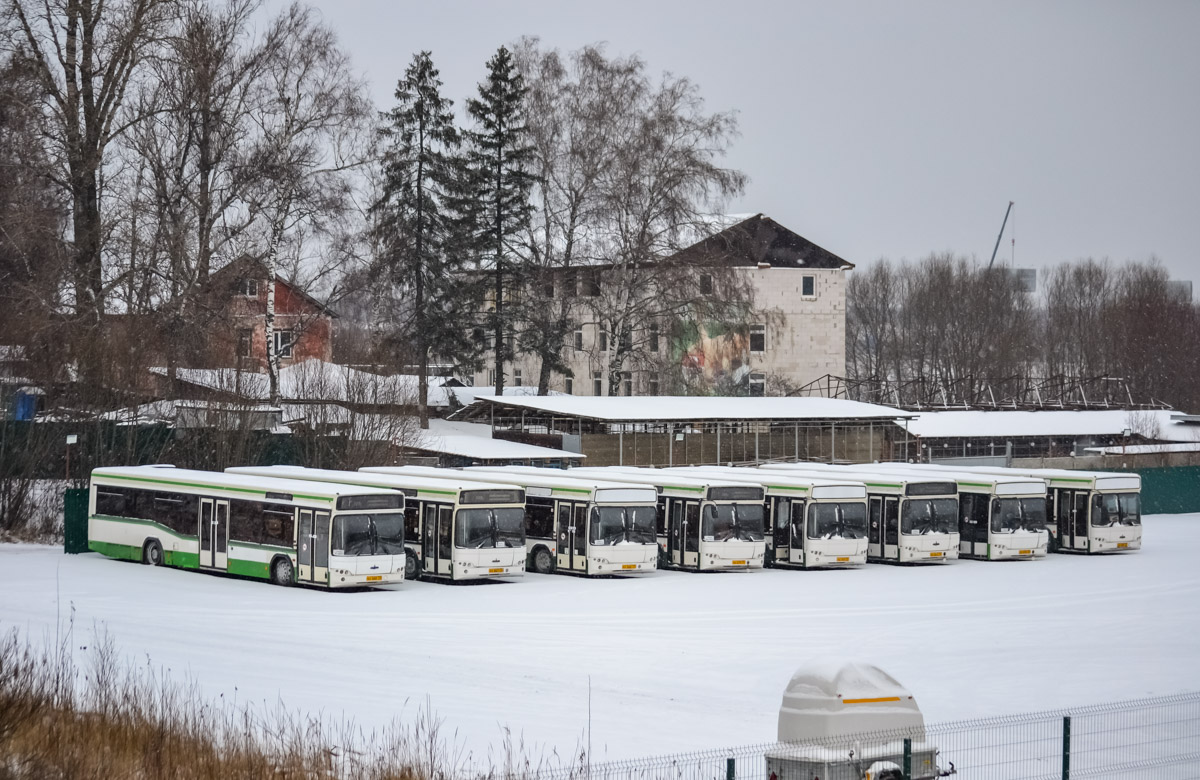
(237, 294)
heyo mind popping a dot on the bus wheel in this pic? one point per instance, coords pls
(543, 563)
(152, 554)
(282, 572)
(412, 566)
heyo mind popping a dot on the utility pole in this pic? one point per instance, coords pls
(1002, 224)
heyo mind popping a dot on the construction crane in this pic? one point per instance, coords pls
(1002, 224)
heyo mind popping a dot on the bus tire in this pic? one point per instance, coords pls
(282, 572)
(543, 561)
(412, 565)
(152, 553)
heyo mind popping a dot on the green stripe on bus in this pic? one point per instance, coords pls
(978, 484)
(249, 568)
(181, 559)
(435, 492)
(584, 491)
(1067, 479)
(123, 551)
(229, 488)
(681, 487)
(787, 487)
(254, 546)
(882, 485)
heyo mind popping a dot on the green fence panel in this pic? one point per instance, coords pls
(1170, 490)
(75, 520)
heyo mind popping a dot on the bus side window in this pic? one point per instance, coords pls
(412, 522)
(539, 520)
(245, 521)
(564, 523)
(692, 543)
(891, 520)
(110, 501)
(445, 529)
(278, 524)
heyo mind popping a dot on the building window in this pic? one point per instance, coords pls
(248, 288)
(284, 340)
(510, 343)
(808, 286)
(706, 285)
(517, 377)
(758, 338)
(492, 377)
(597, 383)
(626, 383)
(653, 340)
(569, 385)
(578, 337)
(652, 384)
(758, 385)
(243, 342)
(571, 283)
(591, 283)
(602, 340)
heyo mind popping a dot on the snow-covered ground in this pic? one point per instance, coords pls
(677, 661)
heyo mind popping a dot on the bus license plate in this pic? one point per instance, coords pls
(1122, 544)
(374, 577)
(629, 566)
(1026, 552)
(843, 560)
(936, 555)
(495, 571)
(739, 563)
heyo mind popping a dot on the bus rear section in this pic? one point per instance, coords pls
(287, 531)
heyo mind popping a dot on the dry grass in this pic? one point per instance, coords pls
(111, 720)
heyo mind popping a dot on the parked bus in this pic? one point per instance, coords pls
(454, 529)
(575, 526)
(287, 531)
(813, 523)
(1087, 511)
(1000, 517)
(708, 524)
(912, 518)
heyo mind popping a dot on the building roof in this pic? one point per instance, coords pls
(682, 408)
(759, 239)
(244, 263)
(1006, 425)
(1146, 449)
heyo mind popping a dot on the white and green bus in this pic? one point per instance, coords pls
(455, 529)
(285, 531)
(812, 523)
(588, 526)
(704, 524)
(912, 518)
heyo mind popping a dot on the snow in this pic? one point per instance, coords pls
(1146, 449)
(1007, 425)
(474, 440)
(676, 661)
(687, 408)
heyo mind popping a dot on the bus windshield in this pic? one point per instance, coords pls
(623, 525)
(1010, 515)
(381, 534)
(837, 521)
(1117, 509)
(929, 516)
(736, 522)
(487, 527)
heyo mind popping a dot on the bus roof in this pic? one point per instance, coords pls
(169, 476)
(783, 482)
(412, 482)
(1001, 484)
(1114, 480)
(662, 478)
(861, 472)
(550, 478)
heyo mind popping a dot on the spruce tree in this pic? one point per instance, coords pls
(417, 225)
(499, 160)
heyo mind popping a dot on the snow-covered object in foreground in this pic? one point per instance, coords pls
(849, 721)
(835, 700)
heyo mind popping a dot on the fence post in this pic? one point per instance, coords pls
(907, 758)
(730, 769)
(1066, 773)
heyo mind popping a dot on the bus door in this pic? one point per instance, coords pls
(445, 540)
(1082, 508)
(320, 547)
(305, 543)
(781, 547)
(564, 540)
(875, 531)
(674, 527)
(691, 534)
(579, 539)
(891, 527)
(214, 533)
(429, 537)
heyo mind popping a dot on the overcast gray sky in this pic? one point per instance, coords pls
(892, 129)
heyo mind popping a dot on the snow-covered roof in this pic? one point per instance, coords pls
(690, 408)
(1146, 449)
(467, 395)
(314, 380)
(475, 441)
(1002, 425)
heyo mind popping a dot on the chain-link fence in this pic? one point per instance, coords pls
(1155, 738)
